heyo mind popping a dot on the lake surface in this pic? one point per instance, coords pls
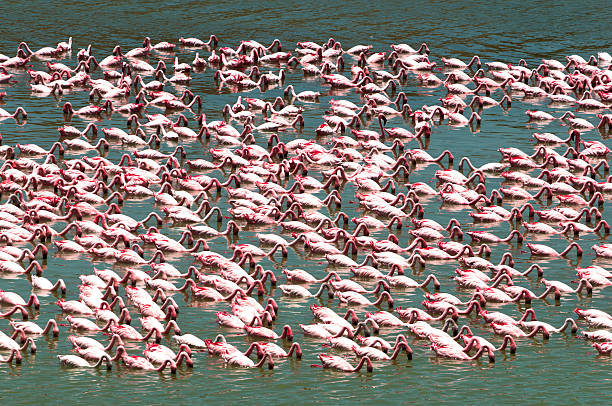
(565, 370)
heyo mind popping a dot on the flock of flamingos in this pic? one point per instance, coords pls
(258, 173)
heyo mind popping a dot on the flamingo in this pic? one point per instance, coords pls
(8, 342)
(301, 276)
(475, 341)
(129, 333)
(34, 329)
(323, 330)
(266, 333)
(299, 291)
(603, 348)
(376, 354)
(74, 361)
(592, 313)
(458, 64)
(483, 236)
(87, 110)
(569, 322)
(564, 288)
(450, 352)
(219, 346)
(240, 360)
(407, 49)
(88, 342)
(603, 250)
(141, 363)
(384, 318)
(190, 340)
(340, 364)
(514, 331)
(198, 43)
(13, 299)
(41, 283)
(543, 250)
(79, 323)
(306, 96)
(13, 355)
(599, 322)
(20, 111)
(598, 335)
(354, 298)
(15, 309)
(277, 352)
(157, 354)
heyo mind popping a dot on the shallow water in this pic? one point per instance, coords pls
(564, 370)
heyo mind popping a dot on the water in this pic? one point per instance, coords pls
(565, 370)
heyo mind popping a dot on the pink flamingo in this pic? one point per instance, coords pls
(240, 360)
(141, 363)
(450, 352)
(74, 361)
(340, 364)
(543, 250)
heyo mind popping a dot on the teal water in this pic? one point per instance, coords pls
(565, 370)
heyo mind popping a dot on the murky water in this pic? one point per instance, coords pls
(564, 370)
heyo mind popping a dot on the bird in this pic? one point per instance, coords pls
(74, 361)
(340, 364)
